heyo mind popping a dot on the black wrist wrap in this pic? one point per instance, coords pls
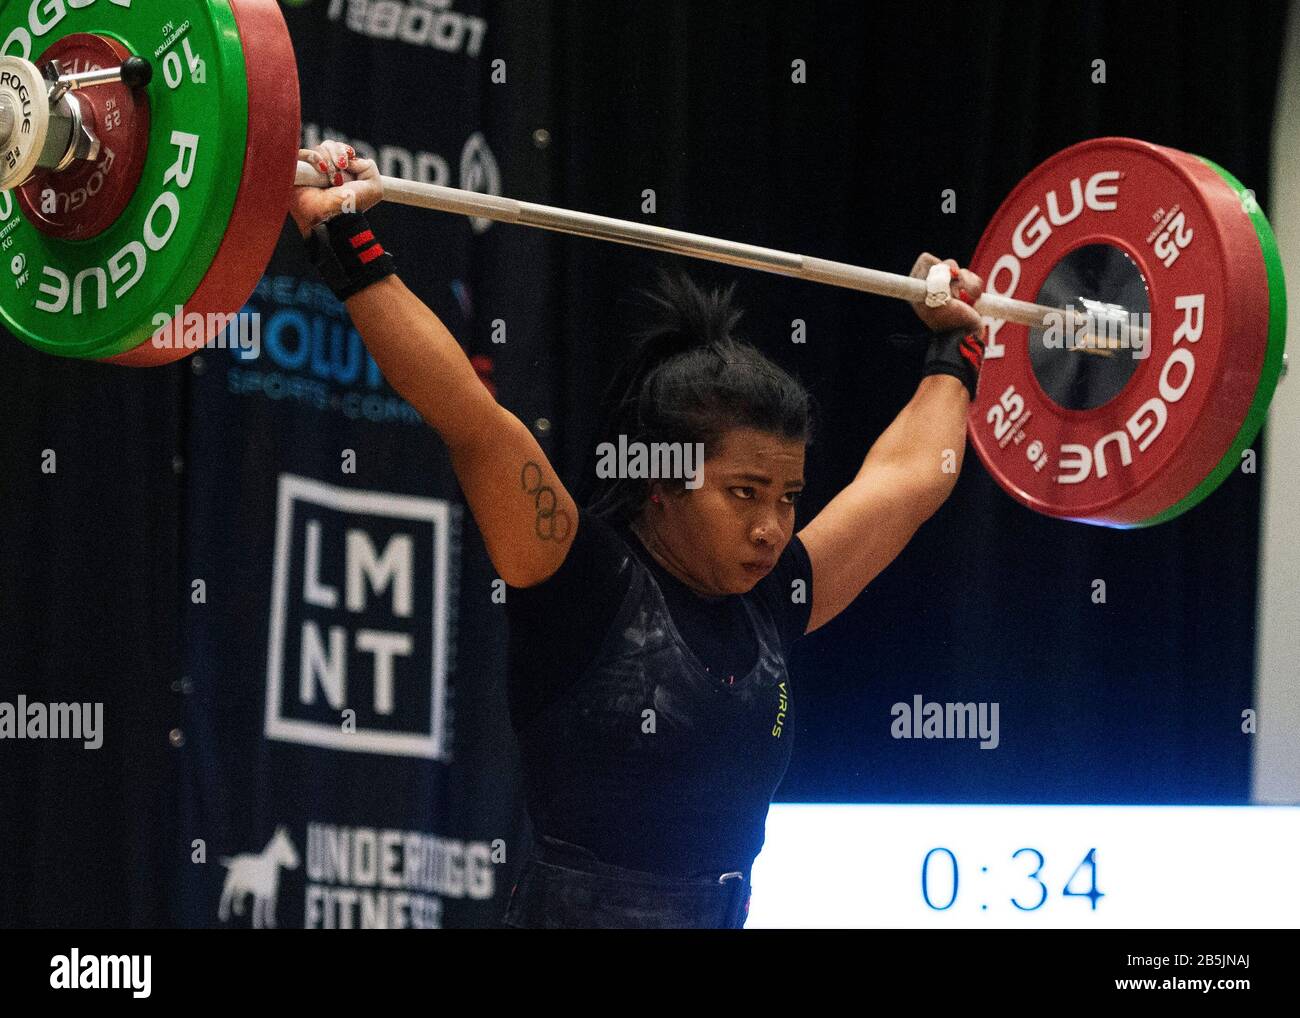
(958, 353)
(348, 256)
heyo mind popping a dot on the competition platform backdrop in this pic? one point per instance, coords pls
(234, 552)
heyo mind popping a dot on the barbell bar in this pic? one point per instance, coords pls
(695, 245)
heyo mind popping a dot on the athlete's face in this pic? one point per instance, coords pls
(725, 535)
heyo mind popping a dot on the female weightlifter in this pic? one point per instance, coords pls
(649, 629)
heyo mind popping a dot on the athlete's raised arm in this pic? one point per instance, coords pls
(526, 516)
(911, 469)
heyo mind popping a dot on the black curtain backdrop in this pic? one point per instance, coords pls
(173, 474)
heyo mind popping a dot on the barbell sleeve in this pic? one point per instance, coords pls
(694, 245)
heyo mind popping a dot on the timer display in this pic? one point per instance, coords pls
(1100, 867)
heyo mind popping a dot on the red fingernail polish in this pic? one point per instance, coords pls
(342, 162)
(323, 167)
(338, 180)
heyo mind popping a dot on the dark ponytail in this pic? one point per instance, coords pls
(689, 379)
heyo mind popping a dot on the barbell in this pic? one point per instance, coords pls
(118, 218)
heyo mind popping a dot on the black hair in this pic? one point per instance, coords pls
(690, 379)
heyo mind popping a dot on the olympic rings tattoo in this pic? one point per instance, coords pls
(551, 524)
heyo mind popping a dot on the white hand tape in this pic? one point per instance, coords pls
(937, 285)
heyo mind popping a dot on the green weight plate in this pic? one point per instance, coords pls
(266, 174)
(100, 297)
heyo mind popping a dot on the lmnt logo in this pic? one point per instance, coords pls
(362, 620)
(102, 972)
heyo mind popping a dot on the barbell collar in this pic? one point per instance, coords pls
(134, 72)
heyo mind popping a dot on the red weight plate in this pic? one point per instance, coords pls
(266, 184)
(89, 196)
(1170, 422)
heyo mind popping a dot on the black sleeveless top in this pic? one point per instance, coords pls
(653, 749)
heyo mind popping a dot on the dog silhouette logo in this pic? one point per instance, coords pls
(257, 874)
